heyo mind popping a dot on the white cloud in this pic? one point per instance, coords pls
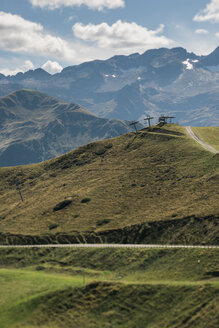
(201, 31)
(217, 34)
(26, 66)
(210, 13)
(52, 67)
(23, 36)
(122, 36)
(71, 18)
(194, 43)
(20, 36)
(92, 4)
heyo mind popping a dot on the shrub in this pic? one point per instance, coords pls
(62, 205)
(109, 146)
(102, 222)
(86, 200)
(39, 268)
(53, 226)
(100, 151)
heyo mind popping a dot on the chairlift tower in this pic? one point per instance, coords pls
(19, 190)
(134, 123)
(170, 118)
(163, 119)
(149, 120)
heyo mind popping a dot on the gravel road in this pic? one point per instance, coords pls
(196, 138)
(107, 246)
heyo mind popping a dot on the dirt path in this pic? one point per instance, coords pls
(202, 143)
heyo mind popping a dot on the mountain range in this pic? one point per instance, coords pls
(159, 81)
(35, 127)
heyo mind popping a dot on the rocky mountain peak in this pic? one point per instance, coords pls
(212, 59)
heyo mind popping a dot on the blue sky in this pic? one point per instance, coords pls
(57, 33)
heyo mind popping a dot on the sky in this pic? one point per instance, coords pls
(54, 34)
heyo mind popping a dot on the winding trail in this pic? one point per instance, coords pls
(107, 246)
(202, 143)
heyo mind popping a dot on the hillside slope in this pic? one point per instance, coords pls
(35, 127)
(108, 287)
(156, 186)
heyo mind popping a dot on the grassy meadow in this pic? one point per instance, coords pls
(108, 288)
(159, 175)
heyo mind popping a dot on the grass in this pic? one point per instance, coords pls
(154, 176)
(157, 176)
(209, 135)
(108, 288)
(21, 289)
(164, 264)
(118, 305)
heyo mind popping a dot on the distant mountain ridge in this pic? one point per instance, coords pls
(35, 127)
(130, 87)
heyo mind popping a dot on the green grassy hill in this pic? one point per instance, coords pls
(156, 186)
(108, 288)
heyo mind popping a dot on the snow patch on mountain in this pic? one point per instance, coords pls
(188, 65)
(110, 75)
